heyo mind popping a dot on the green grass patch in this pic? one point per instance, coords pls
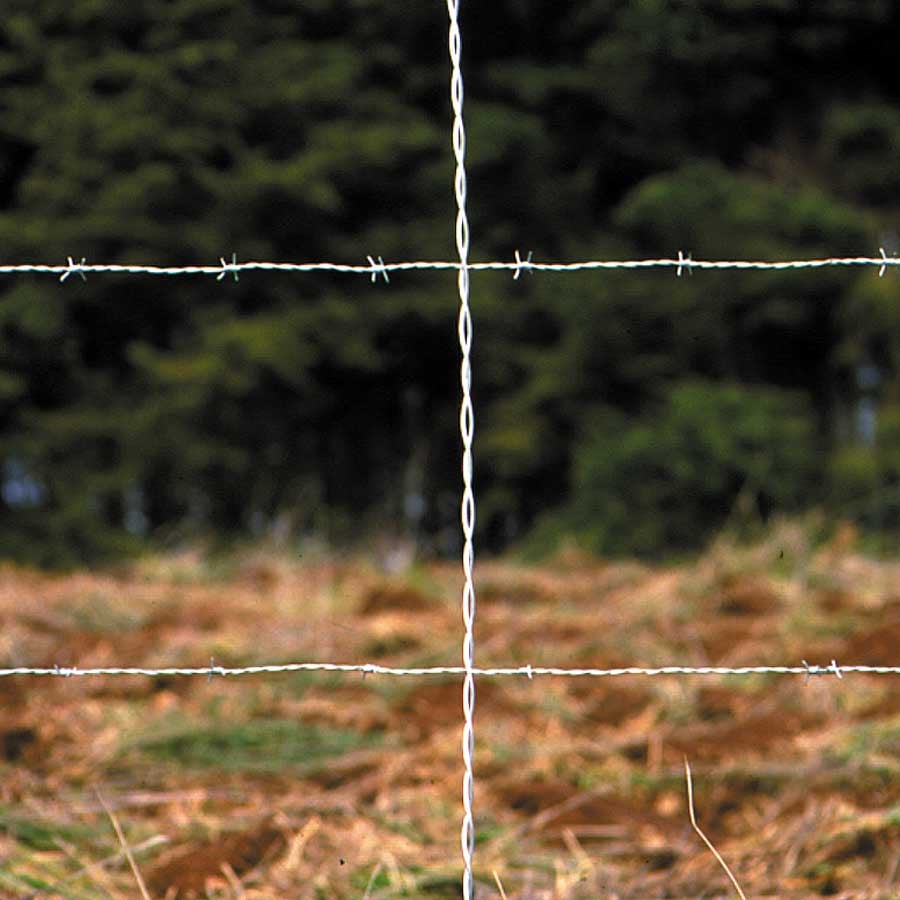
(488, 831)
(28, 881)
(39, 835)
(35, 867)
(408, 829)
(881, 739)
(97, 613)
(267, 745)
(362, 880)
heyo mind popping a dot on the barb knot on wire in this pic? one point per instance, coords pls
(215, 670)
(74, 268)
(522, 265)
(885, 262)
(229, 267)
(831, 669)
(379, 268)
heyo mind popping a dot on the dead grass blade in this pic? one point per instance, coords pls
(125, 848)
(233, 881)
(375, 873)
(90, 868)
(704, 838)
(499, 885)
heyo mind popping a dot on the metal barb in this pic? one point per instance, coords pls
(228, 267)
(885, 262)
(831, 669)
(685, 262)
(378, 268)
(520, 265)
(810, 670)
(74, 267)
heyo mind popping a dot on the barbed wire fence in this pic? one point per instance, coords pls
(380, 269)
(377, 268)
(527, 671)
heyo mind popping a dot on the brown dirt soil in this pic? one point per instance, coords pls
(189, 870)
(321, 785)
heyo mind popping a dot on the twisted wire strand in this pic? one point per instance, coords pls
(380, 268)
(466, 430)
(527, 671)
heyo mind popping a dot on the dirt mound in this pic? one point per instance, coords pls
(188, 872)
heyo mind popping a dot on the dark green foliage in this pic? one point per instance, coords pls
(668, 480)
(865, 481)
(136, 409)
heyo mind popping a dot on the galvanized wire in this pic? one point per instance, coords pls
(214, 670)
(467, 431)
(376, 268)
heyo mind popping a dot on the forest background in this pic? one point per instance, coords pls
(634, 412)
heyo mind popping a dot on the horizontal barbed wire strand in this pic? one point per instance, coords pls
(527, 671)
(380, 268)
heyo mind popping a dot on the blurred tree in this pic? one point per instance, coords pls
(180, 131)
(667, 481)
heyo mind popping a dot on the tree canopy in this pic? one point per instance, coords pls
(176, 132)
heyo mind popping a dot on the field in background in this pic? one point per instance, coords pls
(321, 785)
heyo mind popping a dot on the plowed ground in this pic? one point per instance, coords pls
(338, 785)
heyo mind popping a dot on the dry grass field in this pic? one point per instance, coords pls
(322, 785)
